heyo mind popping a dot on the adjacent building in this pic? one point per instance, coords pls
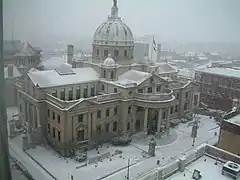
(93, 101)
(219, 87)
(19, 57)
(230, 135)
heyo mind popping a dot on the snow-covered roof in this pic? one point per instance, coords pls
(18, 48)
(109, 61)
(165, 68)
(207, 167)
(234, 120)
(50, 78)
(54, 63)
(132, 76)
(15, 72)
(222, 71)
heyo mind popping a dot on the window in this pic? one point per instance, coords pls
(78, 93)
(185, 106)
(85, 92)
(107, 112)
(103, 87)
(92, 91)
(53, 115)
(59, 119)
(177, 95)
(80, 135)
(20, 107)
(62, 95)
(112, 75)
(59, 136)
(149, 90)
(70, 95)
(106, 127)
(48, 112)
(125, 53)
(171, 110)
(54, 93)
(105, 53)
(130, 93)
(80, 118)
(115, 90)
(97, 52)
(176, 108)
(115, 110)
(158, 88)
(129, 109)
(48, 128)
(104, 74)
(53, 131)
(140, 90)
(99, 114)
(186, 95)
(128, 126)
(116, 53)
(114, 126)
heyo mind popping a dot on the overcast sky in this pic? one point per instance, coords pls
(181, 20)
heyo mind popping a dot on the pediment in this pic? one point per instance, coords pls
(80, 106)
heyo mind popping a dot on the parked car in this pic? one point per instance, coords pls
(121, 140)
(80, 157)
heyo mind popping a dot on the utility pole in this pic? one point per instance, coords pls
(5, 172)
(128, 173)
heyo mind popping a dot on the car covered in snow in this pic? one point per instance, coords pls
(80, 157)
(121, 140)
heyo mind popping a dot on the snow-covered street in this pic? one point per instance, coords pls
(116, 168)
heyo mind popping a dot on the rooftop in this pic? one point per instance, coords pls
(206, 166)
(235, 120)
(50, 78)
(131, 77)
(222, 71)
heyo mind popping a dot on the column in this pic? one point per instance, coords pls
(167, 121)
(159, 120)
(145, 120)
(89, 126)
(38, 117)
(133, 119)
(33, 117)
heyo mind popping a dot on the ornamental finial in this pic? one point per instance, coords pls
(115, 3)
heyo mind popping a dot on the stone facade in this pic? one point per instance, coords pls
(76, 115)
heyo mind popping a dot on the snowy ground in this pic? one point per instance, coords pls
(116, 169)
(209, 170)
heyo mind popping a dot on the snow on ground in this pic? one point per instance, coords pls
(207, 169)
(61, 168)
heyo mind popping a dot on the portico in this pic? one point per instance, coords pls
(156, 119)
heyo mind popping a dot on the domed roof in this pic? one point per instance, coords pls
(114, 31)
(109, 61)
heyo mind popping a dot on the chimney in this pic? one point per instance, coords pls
(10, 70)
(70, 54)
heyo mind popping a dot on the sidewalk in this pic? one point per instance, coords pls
(35, 170)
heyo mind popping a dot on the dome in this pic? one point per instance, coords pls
(109, 61)
(114, 31)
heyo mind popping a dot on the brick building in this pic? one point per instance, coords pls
(219, 87)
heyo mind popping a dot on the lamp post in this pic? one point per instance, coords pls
(5, 172)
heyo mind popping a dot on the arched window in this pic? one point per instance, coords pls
(112, 75)
(104, 74)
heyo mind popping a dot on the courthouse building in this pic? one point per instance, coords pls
(93, 101)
